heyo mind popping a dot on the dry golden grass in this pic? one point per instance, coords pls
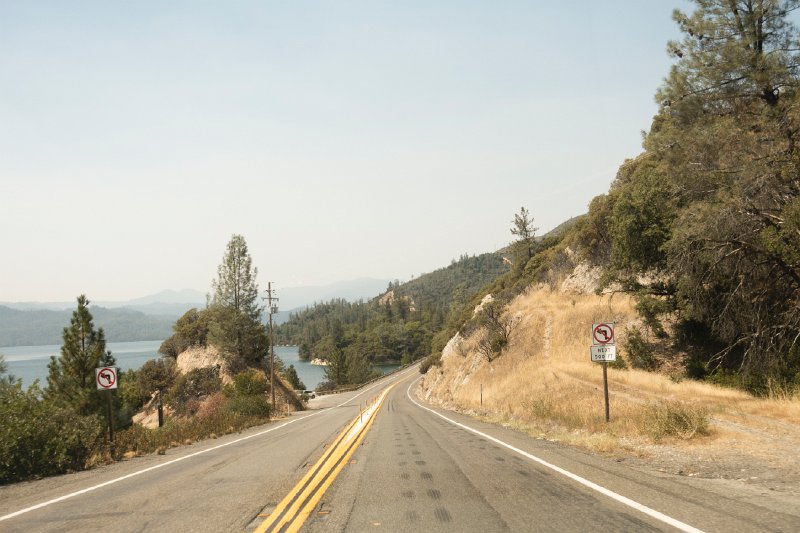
(546, 384)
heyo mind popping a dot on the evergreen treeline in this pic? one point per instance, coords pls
(400, 326)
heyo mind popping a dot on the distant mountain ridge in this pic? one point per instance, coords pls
(151, 317)
(167, 302)
(37, 327)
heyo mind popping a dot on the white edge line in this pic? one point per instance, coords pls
(173, 461)
(585, 482)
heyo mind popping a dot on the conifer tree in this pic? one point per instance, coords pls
(70, 377)
(236, 327)
(525, 232)
(235, 287)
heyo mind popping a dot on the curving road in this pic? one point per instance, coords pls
(415, 468)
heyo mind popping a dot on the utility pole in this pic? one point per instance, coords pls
(271, 309)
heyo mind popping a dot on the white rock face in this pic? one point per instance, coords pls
(452, 347)
(583, 280)
(201, 358)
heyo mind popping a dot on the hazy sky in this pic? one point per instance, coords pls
(342, 139)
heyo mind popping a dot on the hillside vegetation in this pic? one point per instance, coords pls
(211, 381)
(694, 252)
(702, 229)
(402, 325)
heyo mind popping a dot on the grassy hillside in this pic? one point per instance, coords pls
(545, 384)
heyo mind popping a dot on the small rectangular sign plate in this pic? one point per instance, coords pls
(604, 353)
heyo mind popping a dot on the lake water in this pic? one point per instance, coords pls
(30, 362)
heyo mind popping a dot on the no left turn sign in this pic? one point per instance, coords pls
(106, 377)
(603, 334)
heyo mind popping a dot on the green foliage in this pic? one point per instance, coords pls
(156, 374)
(638, 351)
(498, 328)
(39, 438)
(651, 308)
(247, 394)
(241, 340)
(249, 406)
(705, 224)
(189, 388)
(591, 235)
(641, 220)
(71, 377)
(5, 377)
(235, 287)
(130, 394)
(190, 330)
(434, 359)
(223, 418)
(234, 322)
(250, 382)
(291, 376)
(397, 327)
(525, 233)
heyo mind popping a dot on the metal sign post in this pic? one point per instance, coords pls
(106, 379)
(603, 350)
(272, 309)
(605, 389)
(160, 406)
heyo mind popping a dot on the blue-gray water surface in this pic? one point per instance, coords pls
(29, 363)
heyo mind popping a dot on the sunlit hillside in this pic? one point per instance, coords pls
(545, 384)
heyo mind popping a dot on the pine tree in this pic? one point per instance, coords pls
(525, 232)
(71, 377)
(235, 287)
(235, 324)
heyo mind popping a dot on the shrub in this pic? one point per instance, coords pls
(193, 385)
(215, 421)
(673, 419)
(156, 374)
(246, 395)
(434, 359)
(639, 352)
(190, 330)
(256, 406)
(291, 376)
(326, 386)
(249, 382)
(39, 439)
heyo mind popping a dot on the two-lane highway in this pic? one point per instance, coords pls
(410, 468)
(222, 484)
(425, 469)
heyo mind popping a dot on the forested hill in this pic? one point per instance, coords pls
(41, 327)
(397, 325)
(454, 285)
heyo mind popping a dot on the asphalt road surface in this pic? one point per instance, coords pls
(415, 468)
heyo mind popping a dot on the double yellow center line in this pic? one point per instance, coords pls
(295, 508)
